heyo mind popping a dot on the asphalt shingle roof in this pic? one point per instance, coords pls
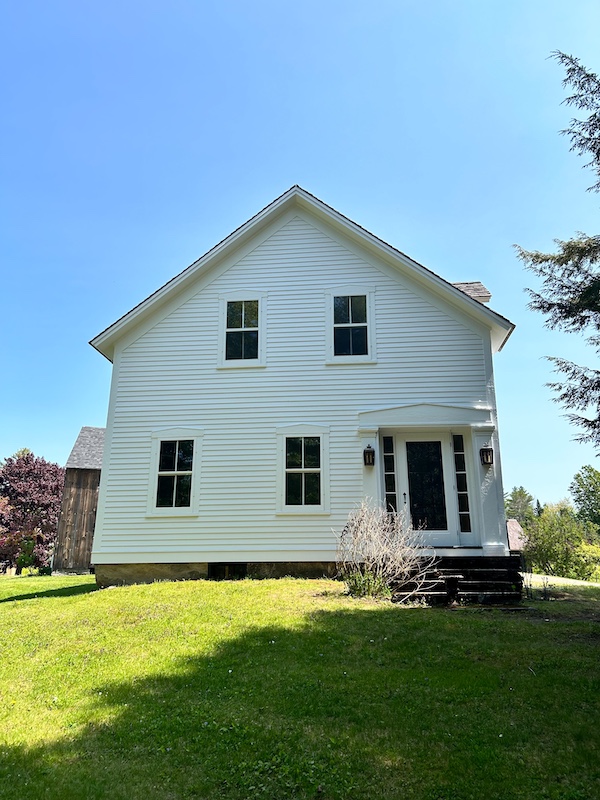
(474, 289)
(87, 450)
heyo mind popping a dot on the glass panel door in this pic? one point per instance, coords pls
(426, 485)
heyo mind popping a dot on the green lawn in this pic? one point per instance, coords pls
(288, 689)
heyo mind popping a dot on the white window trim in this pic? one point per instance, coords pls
(166, 434)
(342, 291)
(243, 363)
(283, 431)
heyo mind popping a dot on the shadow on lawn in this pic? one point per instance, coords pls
(65, 591)
(357, 704)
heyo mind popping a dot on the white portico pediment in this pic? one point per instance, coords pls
(426, 415)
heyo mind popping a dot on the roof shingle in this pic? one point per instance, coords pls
(88, 449)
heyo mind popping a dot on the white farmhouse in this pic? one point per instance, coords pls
(299, 366)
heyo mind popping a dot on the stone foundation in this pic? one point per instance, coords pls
(125, 574)
(294, 569)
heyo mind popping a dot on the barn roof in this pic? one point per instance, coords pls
(88, 449)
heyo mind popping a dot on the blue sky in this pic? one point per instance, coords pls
(136, 135)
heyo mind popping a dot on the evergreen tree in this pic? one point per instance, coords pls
(519, 506)
(570, 291)
(585, 489)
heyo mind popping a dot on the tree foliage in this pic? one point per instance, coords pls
(584, 133)
(31, 493)
(559, 543)
(570, 292)
(585, 490)
(519, 506)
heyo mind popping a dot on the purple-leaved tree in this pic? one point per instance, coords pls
(30, 497)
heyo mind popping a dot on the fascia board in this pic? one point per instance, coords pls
(392, 269)
(500, 327)
(105, 341)
(198, 280)
(426, 415)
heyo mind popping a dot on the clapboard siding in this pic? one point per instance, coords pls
(170, 377)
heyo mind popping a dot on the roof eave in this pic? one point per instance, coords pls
(105, 341)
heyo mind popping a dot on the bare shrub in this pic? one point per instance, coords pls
(379, 552)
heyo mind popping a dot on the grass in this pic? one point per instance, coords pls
(289, 689)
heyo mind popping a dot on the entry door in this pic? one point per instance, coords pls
(420, 471)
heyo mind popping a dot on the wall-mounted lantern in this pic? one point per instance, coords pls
(369, 456)
(487, 456)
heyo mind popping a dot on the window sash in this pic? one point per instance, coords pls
(303, 458)
(175, 469)
(242, 330)
(350, 325)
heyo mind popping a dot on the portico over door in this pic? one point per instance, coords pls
(426, 476)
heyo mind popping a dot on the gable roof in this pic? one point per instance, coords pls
(88, 449)
(298, 198)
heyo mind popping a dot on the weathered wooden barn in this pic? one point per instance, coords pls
(79, 503)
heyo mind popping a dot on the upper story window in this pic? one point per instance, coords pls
(242, 329)
(241, 335)
(350, 325)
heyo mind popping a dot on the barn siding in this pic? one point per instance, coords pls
(75, 534)
(169, 377)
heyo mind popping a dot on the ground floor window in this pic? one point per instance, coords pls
(175, 464)
(462, 493)
(389, 473)
(302, 470)
(173, 488)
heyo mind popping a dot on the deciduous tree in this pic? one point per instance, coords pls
(31, 489)
(559, 543)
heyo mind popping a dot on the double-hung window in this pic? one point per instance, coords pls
(303, 470)
(175, 462)
(350, 325)
(241, 334)
(303, 475)
(174, 472)
(242, 329)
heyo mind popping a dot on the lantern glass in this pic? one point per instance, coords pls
(487, 456)
(369, 456)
